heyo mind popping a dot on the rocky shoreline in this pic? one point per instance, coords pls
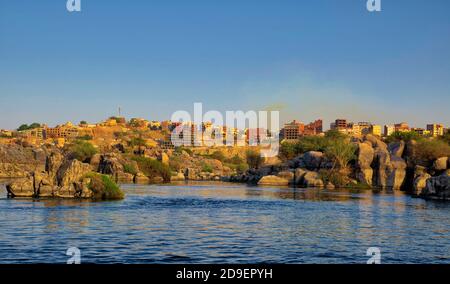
(377, 166)
(52, 172)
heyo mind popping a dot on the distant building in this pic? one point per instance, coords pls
(436, 129)
(65, 131)
(375, 130)
(341, 124)
(155, 125)
(420, 131)
(401, 127)
(38, 133)
(139, 123)
(6, 133)
(313, 128)
(293, 130)
(388, 130)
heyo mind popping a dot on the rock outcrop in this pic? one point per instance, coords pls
(397, 173)
(273, 180)
(62, 179)
(365, 158)
(437, 188)
(313, 160)
(440, 164)
(17, 161)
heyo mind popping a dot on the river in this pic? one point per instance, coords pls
(226, 223)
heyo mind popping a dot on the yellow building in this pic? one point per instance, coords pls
(436, 129)
(375, 130)
(67, 130)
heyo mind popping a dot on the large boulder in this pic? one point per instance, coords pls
(273, 180)
(313, 159)
(95, 161)
(110, 165)
(141, 178)
(72, 171)
(299, 175)
(52, 165)
(365, 158)
(312, 179)
(396, 177)
(440, 164)
(23, 187)
(382, 167)
(286, 175)
(397, 148)
(375, 141)
(178, 177)
(437, 188)
(420, 183)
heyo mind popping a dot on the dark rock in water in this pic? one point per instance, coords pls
(437, 188)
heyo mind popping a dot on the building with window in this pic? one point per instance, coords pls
(293, 130)
(435, 129)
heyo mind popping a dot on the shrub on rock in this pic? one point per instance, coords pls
(104, 188)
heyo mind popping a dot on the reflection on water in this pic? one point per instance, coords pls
(232, 223)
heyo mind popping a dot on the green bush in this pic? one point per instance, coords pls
(81, 150)
(153, 168)
(85, 137)
(254, 159)
(337, 178)
(241, 168)
(290, 150)
(207, 168)
(236, 160)
(130, 168)
(341, 152)
(405, 136)
(104, 188)
(218, 155)
(446, 138)
(175, 163)
(428, 150)
(137, 141)
(179, 150)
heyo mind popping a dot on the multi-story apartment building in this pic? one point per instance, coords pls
(375, 130)
(67, 130)
(314, 128)
(293, 130)
(401, 127)
(341, 124)
(420, 131)
(435, 129)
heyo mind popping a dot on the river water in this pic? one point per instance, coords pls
(226, 223)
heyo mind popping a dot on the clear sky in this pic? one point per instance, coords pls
(309, 59)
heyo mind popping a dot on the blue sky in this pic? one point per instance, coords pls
(309, 59)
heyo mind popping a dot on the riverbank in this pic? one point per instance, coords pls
(418, 167)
